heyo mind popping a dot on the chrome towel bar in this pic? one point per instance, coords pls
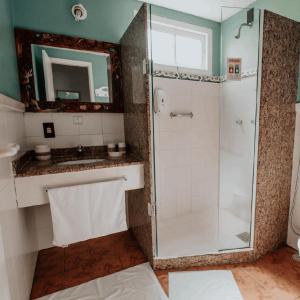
(181, 115)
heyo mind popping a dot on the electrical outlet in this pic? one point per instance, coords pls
(49, 131)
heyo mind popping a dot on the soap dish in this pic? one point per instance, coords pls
(115, 154)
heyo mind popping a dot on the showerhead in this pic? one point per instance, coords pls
(250, 20)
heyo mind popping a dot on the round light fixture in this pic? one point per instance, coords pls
(79, 12)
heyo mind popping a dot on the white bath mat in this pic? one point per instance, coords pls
(206, 285)
(136, 283)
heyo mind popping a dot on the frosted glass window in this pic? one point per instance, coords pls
(179, 46)
(189, 53)
(163, 44)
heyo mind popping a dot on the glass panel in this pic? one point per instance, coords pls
(205, 151)
(186, 158)
(188, 52)
(163, 51)
(240, 48)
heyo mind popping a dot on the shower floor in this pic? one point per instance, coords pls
(198, 233)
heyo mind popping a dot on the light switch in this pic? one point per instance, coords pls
(49, 131)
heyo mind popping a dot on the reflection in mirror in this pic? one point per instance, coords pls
(67, 74)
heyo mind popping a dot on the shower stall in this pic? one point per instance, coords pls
(191, 113)
(204, 104)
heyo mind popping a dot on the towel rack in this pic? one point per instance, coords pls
(104, 180)
(181, 115)
(9, 151)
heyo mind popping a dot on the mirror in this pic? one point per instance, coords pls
(63, 73)
(66, 74)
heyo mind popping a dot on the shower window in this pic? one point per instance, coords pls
(181, 46)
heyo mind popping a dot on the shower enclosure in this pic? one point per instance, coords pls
(204, 102)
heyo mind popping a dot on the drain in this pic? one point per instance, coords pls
(244, 236)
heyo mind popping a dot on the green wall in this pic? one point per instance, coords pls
(9, 82)
(107, 19)
(246, 47)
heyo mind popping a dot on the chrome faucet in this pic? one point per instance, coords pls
(79, 149)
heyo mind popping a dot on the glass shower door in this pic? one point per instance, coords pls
(238, 112)
(186, 139)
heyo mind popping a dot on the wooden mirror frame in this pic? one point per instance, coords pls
(24, 40)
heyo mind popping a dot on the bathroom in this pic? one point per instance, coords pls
(177, 176)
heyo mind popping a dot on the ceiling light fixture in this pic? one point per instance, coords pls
(79, 12)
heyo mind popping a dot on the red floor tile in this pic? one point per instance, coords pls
(60, 268)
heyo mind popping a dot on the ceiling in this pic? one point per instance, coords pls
(208, 9)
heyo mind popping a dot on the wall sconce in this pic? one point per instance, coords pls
(79, 12)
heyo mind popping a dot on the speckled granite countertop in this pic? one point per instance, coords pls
(27, 165)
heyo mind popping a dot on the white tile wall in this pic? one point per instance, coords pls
(74, 128)
(17, 230)
(187, 150)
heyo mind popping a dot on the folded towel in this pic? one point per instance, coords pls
(87, 211)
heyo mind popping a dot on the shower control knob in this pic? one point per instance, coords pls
(239, 122)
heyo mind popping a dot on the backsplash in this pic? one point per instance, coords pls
(72, 129)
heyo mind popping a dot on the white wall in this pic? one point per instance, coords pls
(17, 230)
(292, 237)
(72, 129)
(187, 150)
(88, 129)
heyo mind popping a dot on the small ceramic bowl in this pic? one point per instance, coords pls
(42, 152)
(115, 154)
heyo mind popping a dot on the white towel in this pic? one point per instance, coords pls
(87, 211)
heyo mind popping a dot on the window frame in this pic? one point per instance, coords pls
(187, 30)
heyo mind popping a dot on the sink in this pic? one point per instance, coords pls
(80, 162)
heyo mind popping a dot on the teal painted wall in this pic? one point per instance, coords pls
(9, 82)
(246, 47)
(99, 65)
(107, 19)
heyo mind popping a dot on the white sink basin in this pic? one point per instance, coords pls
(80, 162)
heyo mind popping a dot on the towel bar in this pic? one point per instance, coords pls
(104, 180)
(181, 115)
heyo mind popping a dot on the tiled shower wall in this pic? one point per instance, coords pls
(72, 129)
(237, 133)
(187, 149)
